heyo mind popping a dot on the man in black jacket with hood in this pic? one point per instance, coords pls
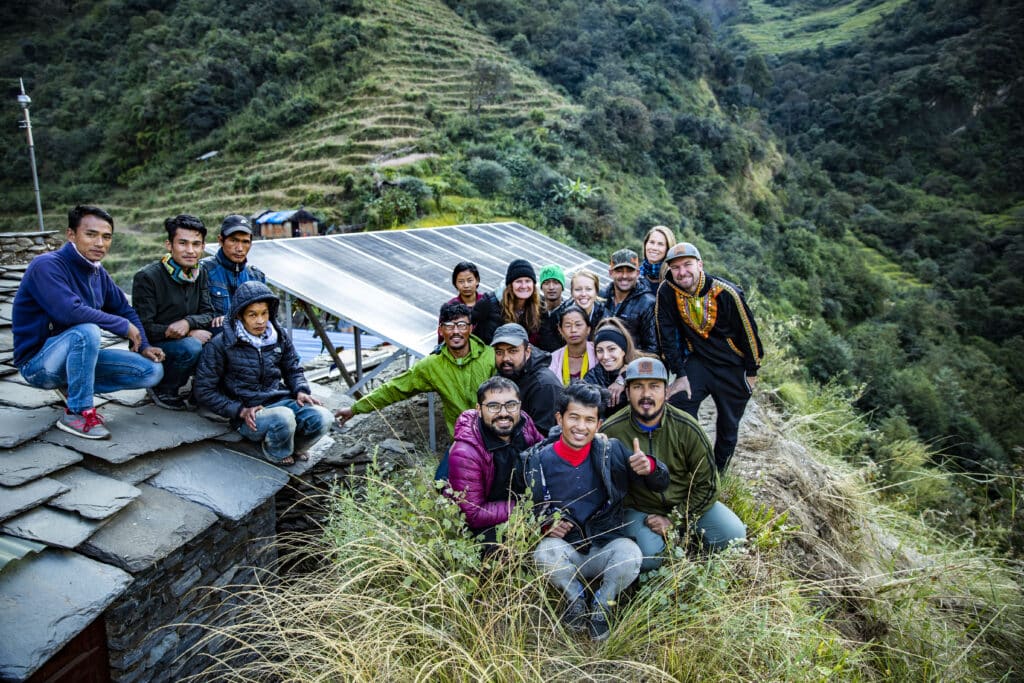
(251, 374)
(539, 389)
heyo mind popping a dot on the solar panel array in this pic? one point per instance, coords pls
(392, 283)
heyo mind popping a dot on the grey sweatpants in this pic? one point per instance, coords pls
(617, 563)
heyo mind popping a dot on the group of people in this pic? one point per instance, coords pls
(208, 323)
(527, 377)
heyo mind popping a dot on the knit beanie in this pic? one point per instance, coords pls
(520, 268)
(552, 272)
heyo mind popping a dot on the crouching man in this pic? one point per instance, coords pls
(251, 374)
(578, 483)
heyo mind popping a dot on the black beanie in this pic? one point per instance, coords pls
(520, 268)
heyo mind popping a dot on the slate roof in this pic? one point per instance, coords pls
(79, 517)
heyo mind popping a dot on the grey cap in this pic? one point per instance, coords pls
(681, 250)
(646, 368)
(235, 223)
(510, 333)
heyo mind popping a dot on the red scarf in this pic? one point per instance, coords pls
(573, 456)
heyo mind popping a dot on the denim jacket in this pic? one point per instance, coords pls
(225, 276)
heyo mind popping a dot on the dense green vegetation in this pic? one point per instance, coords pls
(866, 190)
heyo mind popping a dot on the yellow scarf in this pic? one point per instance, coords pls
(566, 373)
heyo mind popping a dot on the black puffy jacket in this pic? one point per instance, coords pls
(636, 313)
(539, 389)
(233, 374)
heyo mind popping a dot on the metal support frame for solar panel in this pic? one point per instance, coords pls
(391, 283)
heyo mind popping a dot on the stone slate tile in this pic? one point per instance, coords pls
(5, 368)
(92, 495)
(137, 431)
(52, 527)
(48, 599)
(316, 453)
(17, 499)
(155, 524)
(128, 397)
(6, 311)
(224, 480)
(18, 426)
(32, 461)
(132, 472)
(6, 340)
(19, 395)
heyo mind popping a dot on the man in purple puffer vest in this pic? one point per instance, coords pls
(483, 457)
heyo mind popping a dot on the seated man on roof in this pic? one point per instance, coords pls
(173, 301)
(455, 372)
(229, 267)
(64, 300)
(251, 374)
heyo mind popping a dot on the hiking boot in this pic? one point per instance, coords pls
(88, 424)
(575, 615)
(165, 400)
(598, 623)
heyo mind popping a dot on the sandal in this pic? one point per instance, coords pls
(303, 456)
(286, 461)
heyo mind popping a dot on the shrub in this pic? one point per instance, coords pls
(489, 177)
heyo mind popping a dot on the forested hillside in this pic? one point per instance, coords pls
(864, 188)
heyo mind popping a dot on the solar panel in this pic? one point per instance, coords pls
(392, 283)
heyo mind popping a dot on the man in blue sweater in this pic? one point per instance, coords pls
(64, 300)
(229, 267)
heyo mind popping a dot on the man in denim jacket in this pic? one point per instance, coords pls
(229, 268)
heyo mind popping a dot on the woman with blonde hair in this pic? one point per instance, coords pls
(583, 287)
(657, 242)
(574, 360)
(614, 349)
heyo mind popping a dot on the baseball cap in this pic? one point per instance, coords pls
(510, 333)
(646, 368)
(681, 250)
(235, 223)
(625, 257)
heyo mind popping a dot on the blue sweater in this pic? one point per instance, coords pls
(62, 289)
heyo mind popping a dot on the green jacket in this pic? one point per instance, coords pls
(454, 379)
(682, 445)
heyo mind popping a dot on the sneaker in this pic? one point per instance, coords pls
(166, 401)
(598, 624)
(575, 615)
(88, 424)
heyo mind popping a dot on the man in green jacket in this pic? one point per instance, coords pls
(455, 373)
(676, 439)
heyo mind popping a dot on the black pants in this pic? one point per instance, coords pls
(728, 388)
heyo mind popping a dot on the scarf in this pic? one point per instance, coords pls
(268, 338)
(698, 312)
(651, 271)
(183, 276)
(566, 373)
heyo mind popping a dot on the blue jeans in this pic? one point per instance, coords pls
(74, 360)
(716, 528)
(286, 427)
(182, 357)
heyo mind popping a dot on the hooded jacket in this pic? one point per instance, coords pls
(225, 276)
(233, 374)
(454, 379)
(636, 312)
(62, 289)
(472, 467)
(610, 460)
(539, 389)
(726, 335)
(680, 443)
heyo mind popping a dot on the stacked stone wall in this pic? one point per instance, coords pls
(22, 247)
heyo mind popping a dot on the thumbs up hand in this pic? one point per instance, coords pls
(640, 463)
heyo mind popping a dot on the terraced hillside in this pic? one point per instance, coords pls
(796, 27)
(419, 75)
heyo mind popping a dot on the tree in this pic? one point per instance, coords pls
(491, 81)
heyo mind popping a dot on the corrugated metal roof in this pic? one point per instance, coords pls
(12, 549)
(276, 217)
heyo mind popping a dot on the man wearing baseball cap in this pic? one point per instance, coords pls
(539, 389)
(675, 438)
(630, 299)
(229, 267)
(709, 340)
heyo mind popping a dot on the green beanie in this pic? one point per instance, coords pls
(552, 272)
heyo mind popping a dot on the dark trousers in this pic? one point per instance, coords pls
(728, 388)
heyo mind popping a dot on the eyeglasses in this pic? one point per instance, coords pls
(509, 406)
(460, 326)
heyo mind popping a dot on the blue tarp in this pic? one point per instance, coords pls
(277, 217)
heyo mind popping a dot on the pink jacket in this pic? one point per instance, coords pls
(471, 469)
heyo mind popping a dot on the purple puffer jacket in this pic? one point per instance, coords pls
(471, 470)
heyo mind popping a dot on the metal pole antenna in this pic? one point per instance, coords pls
(24, 100)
